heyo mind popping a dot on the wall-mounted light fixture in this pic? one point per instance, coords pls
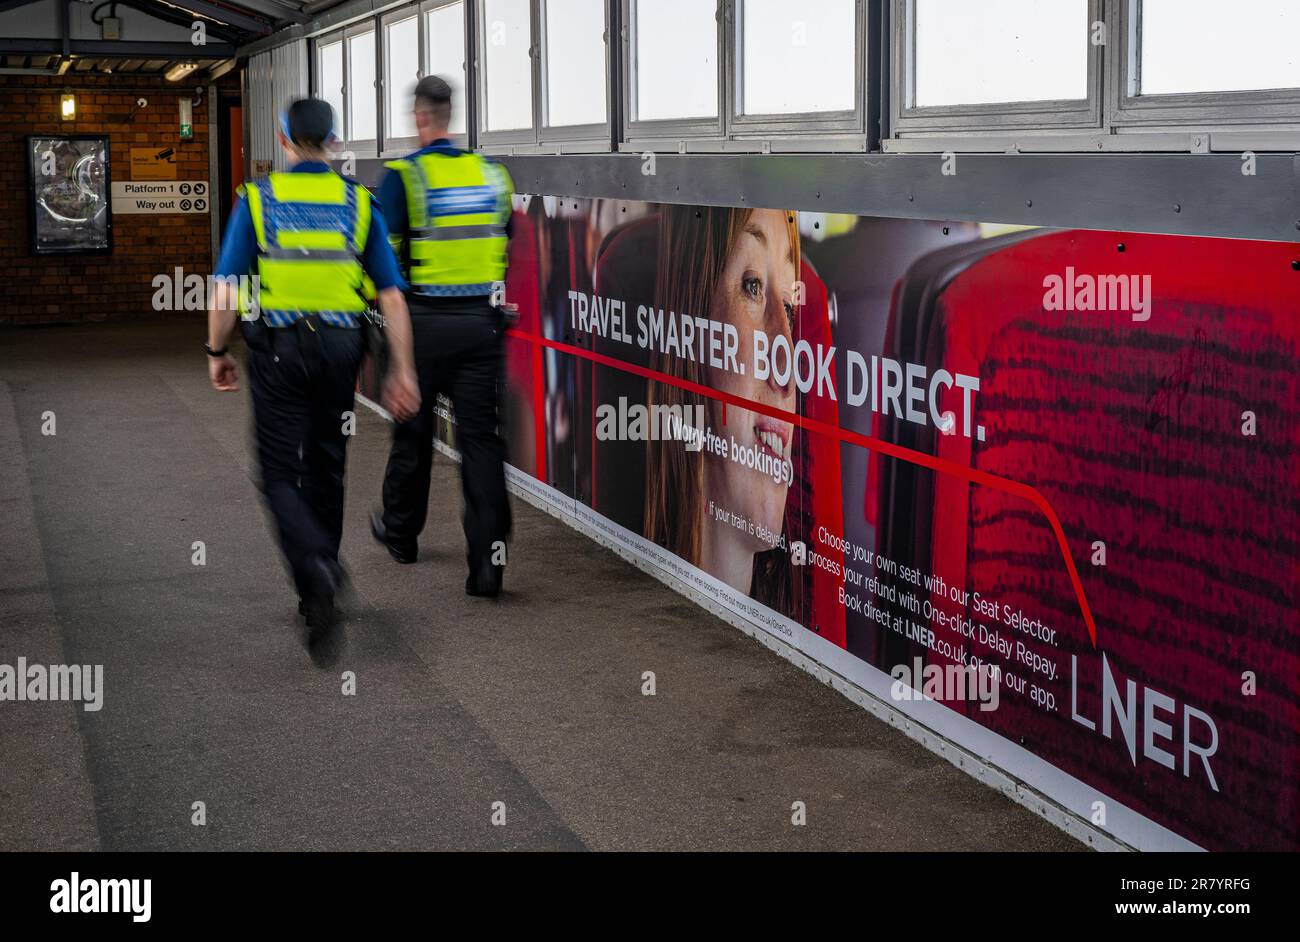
(68, 106)
(179, 71)
(187, 119)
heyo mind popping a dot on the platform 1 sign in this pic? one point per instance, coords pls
(179, 197)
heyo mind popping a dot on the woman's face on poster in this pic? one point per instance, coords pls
(755, 293)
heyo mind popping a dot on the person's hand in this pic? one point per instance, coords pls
(401, 395)
(223, 373)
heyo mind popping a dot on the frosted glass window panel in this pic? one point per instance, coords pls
(1009, 51)
(331, 82)
(1205, 46)
(675, 58)
(797, 58)
(445, 41)
(575, 62)
(402, 66)
(509, 82)
(361, 87)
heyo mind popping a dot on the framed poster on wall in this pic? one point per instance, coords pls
(68, 199)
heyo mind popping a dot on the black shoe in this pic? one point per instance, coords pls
(484, 580)
(325, 640)
(404, 553)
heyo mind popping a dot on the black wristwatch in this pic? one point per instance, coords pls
(215, 353)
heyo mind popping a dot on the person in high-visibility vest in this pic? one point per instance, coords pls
(312, 241)
(448, 213)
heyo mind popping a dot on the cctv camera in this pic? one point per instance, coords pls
(141, 102)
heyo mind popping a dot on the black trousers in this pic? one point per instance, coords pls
(302, 382)
(458, 352)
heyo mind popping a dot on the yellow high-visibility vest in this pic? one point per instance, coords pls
(311, 231)
(457, 208)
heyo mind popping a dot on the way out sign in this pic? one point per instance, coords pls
(186, 197)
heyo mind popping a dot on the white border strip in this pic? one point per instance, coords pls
(378, 409)
(1020, 775)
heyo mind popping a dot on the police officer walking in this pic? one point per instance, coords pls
(310, 238)
(447, 212)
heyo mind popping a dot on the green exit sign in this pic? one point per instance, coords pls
(187, 132)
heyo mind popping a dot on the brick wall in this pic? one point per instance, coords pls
(63, 288)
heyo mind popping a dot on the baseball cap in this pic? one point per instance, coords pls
(309, 122)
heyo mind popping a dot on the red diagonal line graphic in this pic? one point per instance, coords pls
(942, 465)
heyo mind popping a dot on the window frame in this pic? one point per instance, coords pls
(362, 147)
(1058, 114)
(679, 132)
(1193, 122)
(569, 137)
(1112, 119)
(1224, 110)
(324, 40)
(385, 146)
(393, 145)
(503, 140)
(810, 132)
(539, 138)
(851, 121)
(468, 104)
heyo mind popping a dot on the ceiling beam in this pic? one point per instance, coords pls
(277, 10)
(222, 14)
(119, 48)
(220, 69)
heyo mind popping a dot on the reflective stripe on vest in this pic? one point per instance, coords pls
(457, 208)
(311, 230)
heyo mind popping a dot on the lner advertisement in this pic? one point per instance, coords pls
(1035, 488)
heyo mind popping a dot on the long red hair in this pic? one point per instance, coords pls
(694, 244)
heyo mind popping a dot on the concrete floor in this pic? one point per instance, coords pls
(533, 700)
